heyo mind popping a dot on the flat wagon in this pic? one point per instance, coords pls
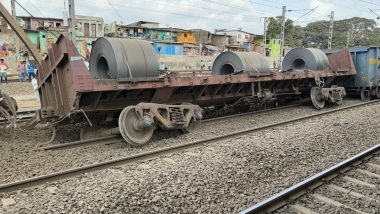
(67, 89)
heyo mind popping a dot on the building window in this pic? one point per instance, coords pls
(58, 25)
(100, 27)
(93, 30)
(86, 29)
(185, 35)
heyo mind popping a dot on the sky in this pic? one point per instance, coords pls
(204, 14)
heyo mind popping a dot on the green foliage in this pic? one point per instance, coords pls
(358, 31)
(293, 34)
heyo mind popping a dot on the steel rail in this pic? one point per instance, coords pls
(101, 140)
(249, 113)
(284, 197)
(117, 138)
(21, 117)
(152, 154)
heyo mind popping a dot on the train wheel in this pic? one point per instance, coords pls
(365, 95)
(317, 98)
(132, 134)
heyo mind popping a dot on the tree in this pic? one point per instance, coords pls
(293, 34)
(358, 31)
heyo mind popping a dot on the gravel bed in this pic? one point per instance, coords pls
(363, 177)
(16, 151)
(17, 88)
(367, 191)
(361, 204)
(219, 178)
(320, 207)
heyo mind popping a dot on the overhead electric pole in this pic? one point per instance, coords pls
(72, 22)
(13, 6)
(266, 20)
(331, 30)
(283, 21)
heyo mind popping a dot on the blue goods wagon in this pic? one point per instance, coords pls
(367, 64)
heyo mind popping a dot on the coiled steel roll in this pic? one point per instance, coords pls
(235, 62)
(301, 59)
(113, 58)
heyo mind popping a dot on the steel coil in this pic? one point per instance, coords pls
(113, 58)
(302, 59)
(236, 62)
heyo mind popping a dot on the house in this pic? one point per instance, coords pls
(88, 29)
(273, 46)
(162, 34)
(239, 37)
(136, 30)
(168, 48)
(116, 30)
(181, 37)
(139, 29)
(185, 36)
(201, 36)
(39, 23)
(44, 39)
(221, 41)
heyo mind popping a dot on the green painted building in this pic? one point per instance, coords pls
(42, 39)
(273, 46)
(37, 38)
(163, 34)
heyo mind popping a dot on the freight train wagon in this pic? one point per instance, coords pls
(123, 90)
(367, 80)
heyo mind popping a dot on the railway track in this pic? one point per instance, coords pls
(350, 186)
(118, 139)
(151, 154)
(23, 116)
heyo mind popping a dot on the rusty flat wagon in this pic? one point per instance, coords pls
(67, 88)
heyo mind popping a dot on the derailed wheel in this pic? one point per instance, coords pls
(317, 98)
(130, 130)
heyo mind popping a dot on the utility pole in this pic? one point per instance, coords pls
(13, 6)
(282, 34)
(266, 20)
(72, 22)
(331, 30)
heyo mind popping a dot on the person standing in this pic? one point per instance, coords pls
(21, 69)
(31, 72)
(202, 65)
(3, 71)
(35, 87)
(209, 65)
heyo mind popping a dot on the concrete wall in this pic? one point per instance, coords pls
(179, 63)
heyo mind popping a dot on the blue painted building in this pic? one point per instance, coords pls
(168, 48)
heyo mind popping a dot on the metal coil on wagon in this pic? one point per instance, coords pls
(114, 58)
(236, 62)
(301, 59)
